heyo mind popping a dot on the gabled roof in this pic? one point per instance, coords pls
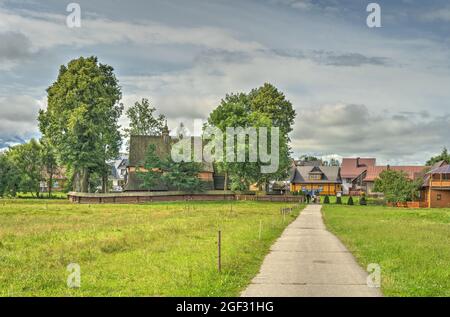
(413, 172)
(353, 167)
(300, 174)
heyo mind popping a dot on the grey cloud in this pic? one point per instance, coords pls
(334, 58)
(14, 46)
(353, 130)
(17, 119)
(352, 59)
(212, 56)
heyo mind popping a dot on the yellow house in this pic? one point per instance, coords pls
(324, 179)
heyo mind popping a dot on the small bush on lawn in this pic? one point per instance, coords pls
(350, 201)
(339, 200)
(363, 200)
(326, 200)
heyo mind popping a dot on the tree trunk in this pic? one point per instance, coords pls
(225, 182)
(105, 183)
(84, 180)
(50, 184)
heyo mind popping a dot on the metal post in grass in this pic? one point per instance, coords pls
(219, 246)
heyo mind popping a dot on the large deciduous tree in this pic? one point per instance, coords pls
(81, 119)
(262, 107)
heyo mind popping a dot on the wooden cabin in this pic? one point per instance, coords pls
(436, 188)
(324, 179)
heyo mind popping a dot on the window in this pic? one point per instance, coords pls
(316, 177)
(439, 197)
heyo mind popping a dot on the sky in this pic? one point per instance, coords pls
(358, 91)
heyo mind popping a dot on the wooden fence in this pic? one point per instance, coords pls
(144, 197)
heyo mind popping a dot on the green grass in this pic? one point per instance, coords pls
(411, 246)
(164, 249)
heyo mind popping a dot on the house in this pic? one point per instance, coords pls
(435, 192)
(373, 172)
(139, 145)
(118, 172)
(353, 172)
(325, 179)
(59, 180)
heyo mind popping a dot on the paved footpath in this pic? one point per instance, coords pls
(308, 260)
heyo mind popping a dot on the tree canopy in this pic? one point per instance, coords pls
(444, 156)
(143, 120)
(396, 186)
(81, 119)
(262, 107)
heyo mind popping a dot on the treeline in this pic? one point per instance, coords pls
(24, 167)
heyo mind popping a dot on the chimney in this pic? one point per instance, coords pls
(357, 161)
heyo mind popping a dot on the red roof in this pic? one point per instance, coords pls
(373, 172)
(353, 167)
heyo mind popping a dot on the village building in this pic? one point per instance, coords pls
(326, 180)
(59, 180)
(373, 172)
(118, 172)
(139, 145)
(435, 191)
(353, 172)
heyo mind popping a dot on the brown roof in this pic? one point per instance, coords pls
(353, 167)
(373, 172)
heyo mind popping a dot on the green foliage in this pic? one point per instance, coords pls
(338, 200)
(326, 200)
(363, 200)
(9, 176)
(28, 161)
(444, 156)
(182, 176)
(81, 119)
(49, 163)
(142, 119)
(350, 201)
(396, 186)
(151, 176)
(262, 107)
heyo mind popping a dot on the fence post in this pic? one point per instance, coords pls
(219, 245)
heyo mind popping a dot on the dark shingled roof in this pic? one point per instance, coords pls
(300, 174)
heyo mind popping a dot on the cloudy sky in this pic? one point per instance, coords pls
(358, 91)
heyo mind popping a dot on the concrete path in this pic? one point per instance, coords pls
(307, 260)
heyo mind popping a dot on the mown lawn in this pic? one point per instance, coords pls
(164, 249)
(411, 246)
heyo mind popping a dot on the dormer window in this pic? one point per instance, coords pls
(315, 177)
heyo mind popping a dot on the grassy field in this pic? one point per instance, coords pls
(411, 246)
(165, 249)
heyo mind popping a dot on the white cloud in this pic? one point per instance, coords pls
(49, 30)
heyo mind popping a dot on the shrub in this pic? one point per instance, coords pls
(350, 201)
(326, 200)
(363, 200)
(338, 200)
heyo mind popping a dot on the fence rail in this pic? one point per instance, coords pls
(144, 197)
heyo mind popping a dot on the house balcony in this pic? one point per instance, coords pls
(440, 184)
